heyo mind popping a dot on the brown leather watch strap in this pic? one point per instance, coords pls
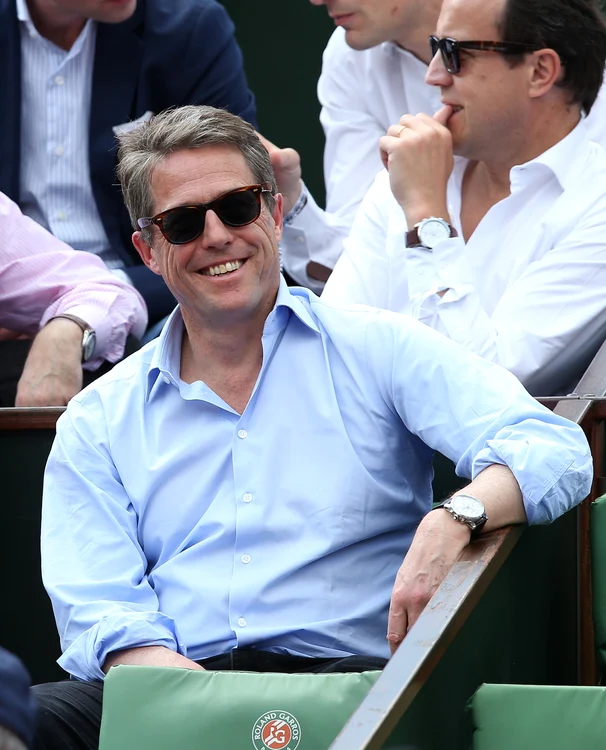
(82, 323)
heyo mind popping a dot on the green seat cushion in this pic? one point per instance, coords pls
(159, 708)
(539, 717)
(598, 576)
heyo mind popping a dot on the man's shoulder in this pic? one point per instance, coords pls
(165, 17)
(125, 383)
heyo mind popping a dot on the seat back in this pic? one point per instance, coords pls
(539, 717)
(157, 708)
(598, 575)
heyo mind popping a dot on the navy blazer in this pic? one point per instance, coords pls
(169, 53)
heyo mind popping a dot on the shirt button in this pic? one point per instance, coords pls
(246, 559)
(242, 434)
(166, 380)
(59, 150)
(247, 497)
(241, 622)
(59, 80)
(61, 216)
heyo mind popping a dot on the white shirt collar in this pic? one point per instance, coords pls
(563, 159)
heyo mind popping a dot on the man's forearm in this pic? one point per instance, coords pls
(149, 656)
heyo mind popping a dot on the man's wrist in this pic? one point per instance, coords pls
(416, 214)
(298, 205)
(440, 518)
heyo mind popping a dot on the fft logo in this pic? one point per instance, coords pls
(276, 730)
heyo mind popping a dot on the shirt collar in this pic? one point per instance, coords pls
(563, 160)
(165, 363)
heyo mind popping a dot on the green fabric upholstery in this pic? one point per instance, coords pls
(598, 577)
(539, 717)
(155, 709)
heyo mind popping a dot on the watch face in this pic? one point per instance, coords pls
(433, 231)
(89, 339)
(467, 506)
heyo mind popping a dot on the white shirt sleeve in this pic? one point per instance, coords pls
(546, 321)
(351, 160)
(362, 274)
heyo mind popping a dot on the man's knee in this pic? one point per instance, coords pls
(69, 715)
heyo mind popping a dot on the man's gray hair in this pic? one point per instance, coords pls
(142, 149)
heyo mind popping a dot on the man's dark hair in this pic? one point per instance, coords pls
(575, 29)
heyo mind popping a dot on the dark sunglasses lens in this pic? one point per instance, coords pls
(183, 225)
(238, 209)
(451, 56)
(434, 43)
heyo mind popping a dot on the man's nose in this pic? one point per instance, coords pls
(437, 75)
(216, 233)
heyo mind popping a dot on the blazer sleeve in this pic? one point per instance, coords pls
(214, 53)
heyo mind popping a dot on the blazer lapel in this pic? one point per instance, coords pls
(10, 110)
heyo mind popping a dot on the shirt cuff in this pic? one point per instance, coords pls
(85, 656)
(433, 271)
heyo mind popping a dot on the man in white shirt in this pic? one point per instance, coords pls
(373, 72)
(515, 267)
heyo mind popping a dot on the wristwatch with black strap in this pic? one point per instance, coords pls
(89, 337)
(466, 509)
(429, 232)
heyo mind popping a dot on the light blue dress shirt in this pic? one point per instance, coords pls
(170, 519)
(55, 185)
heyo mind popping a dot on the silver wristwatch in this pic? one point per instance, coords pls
(429, 232)
(467, 509)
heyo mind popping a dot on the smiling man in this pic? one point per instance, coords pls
(241, 492)
(489, 223)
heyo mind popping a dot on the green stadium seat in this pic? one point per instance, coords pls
(154, 708)
(539, 717)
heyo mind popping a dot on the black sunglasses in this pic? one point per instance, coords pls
(450, 50)
(184, 224)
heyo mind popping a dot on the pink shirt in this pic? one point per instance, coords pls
(41, 277)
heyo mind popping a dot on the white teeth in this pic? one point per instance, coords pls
(223, 268)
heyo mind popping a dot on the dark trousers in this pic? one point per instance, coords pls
(69, 712)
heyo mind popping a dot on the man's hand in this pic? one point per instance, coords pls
(149, 656)
(53, 370)
(286, 164)
(418, 155)
(437, 544)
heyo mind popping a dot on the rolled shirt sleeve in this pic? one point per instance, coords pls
(487, 416)
(105, 603)
(41, 277)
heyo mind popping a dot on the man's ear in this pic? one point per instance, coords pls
(277, 215)
(545, 72)
(146, 252)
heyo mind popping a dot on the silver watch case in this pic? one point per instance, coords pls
(432, 230)
(468, 510)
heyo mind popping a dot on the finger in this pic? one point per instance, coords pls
(443, 114)
(395, 130)
(397, 625)
(387, 143)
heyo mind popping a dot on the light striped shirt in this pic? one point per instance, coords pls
(55, 187)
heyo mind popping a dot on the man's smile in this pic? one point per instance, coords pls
(220, 269)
